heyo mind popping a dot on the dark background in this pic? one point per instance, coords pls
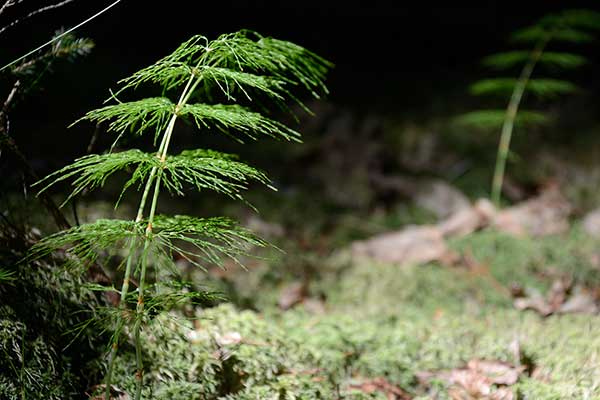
(395, 57)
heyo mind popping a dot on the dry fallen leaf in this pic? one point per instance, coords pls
(498, 372)
(581, 301)
(474, 383)
(372, 385)
(479, 380)
(502, 393)
(561, 298)
(536, 303)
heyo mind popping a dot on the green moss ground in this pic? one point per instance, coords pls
(381, 321)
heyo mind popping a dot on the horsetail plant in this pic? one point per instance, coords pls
(242, 64)
(571, 27)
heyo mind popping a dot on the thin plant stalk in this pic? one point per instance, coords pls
(509, 120)
(154, 173)
(125, 285)
(148, 235)
(138, 322)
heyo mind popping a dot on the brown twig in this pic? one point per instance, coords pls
(8, 3)
(10, 98)
(31, 14)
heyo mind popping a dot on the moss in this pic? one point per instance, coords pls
(380, 321)
(39, 349)
(534, 261)
(386, 321)
(40, 310)
(300, 356)
(187, 363)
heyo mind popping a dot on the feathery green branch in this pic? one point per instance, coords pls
(171, 71)
(135, 116)
(242, 62)
(247, 50)
(86, 240)
(511, 59)
(543, 88)
(203, 169)
(211, 170)
(208, 239)
(570, 26)
(493, 119)
(228, 118)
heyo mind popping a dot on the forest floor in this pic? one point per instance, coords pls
(511, 317)
(471, 310)
(504, 316)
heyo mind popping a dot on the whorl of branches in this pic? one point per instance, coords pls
(571, 27)
(241, 65)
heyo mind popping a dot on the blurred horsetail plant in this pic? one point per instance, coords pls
(571, 27)
(242, 64)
